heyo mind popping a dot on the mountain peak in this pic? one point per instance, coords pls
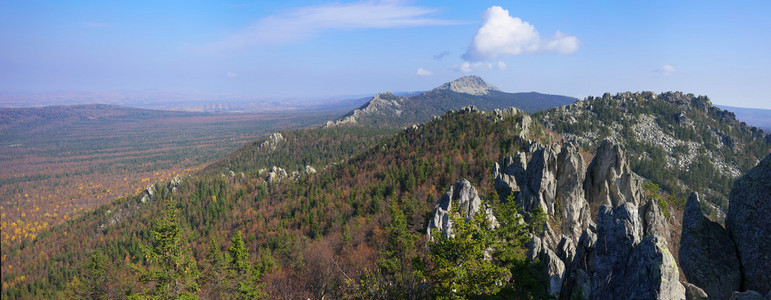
(472, 85)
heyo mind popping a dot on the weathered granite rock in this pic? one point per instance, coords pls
(469, 204)
(555, 270)
(693, 292)
(309, 170)
(276, 174)
(619, 230)
(610, 180)
(654, 222)
(578, 281)
(707, 254)
(272, 141)
(510, 174)
(541, 187)
(571, 206)
(524, 123)
(651, 273)
(749, 224)
(628, 266)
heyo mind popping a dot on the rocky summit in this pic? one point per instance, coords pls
(472, 85)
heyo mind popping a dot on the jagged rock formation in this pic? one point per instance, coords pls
(384, 104)
(610, 180)
(272, 142)
(707, 254)
(624, 256)
(679, 140)
(309, 170)
(510, 174)
(472, 85)
(275, 175)
(465, 196)
(749, 225)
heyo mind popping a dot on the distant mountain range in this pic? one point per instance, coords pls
(757, 117)
(389, 110)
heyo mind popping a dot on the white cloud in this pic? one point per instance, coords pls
(309, 21)
(503, 35)
(232, 75)
(665, 70)
(502, 66)
(468, 67)
(424, 72)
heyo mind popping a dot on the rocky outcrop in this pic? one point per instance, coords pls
(510, 174)
(386, 104)
(609, 179)
(571, 206)
(749, 224)
(524, 123)
(707, 254)
(309, 170)
(472, 85)
(465, 196)
(272, 141)
(275, 175)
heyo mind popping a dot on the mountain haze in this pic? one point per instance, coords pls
(388, 110)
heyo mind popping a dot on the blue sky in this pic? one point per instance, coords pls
(284, 49)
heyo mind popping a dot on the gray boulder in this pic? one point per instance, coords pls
(609, 179)
(693, 292)
(707, 254)
(654, 222)
(749, 224)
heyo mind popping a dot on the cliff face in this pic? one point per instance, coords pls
(723, 261)
(624, 255)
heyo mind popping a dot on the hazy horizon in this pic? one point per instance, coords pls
(311, 50)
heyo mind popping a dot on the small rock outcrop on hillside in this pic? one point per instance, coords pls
(749, 225)
(707, 254)
(276, 174)
(272, 142)
(465, 196)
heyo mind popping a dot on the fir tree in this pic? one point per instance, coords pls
(171, 269)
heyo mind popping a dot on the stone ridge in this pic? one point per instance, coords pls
(472, 85)
(383, 103)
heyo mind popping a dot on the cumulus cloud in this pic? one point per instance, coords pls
(502, 66)
(503, 35)
(665, 70)
(305, 22)
(468, 67)
(424, 72)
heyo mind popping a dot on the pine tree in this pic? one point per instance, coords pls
(461, 267)
(243, 279)
(171, 269)
(214, 277)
